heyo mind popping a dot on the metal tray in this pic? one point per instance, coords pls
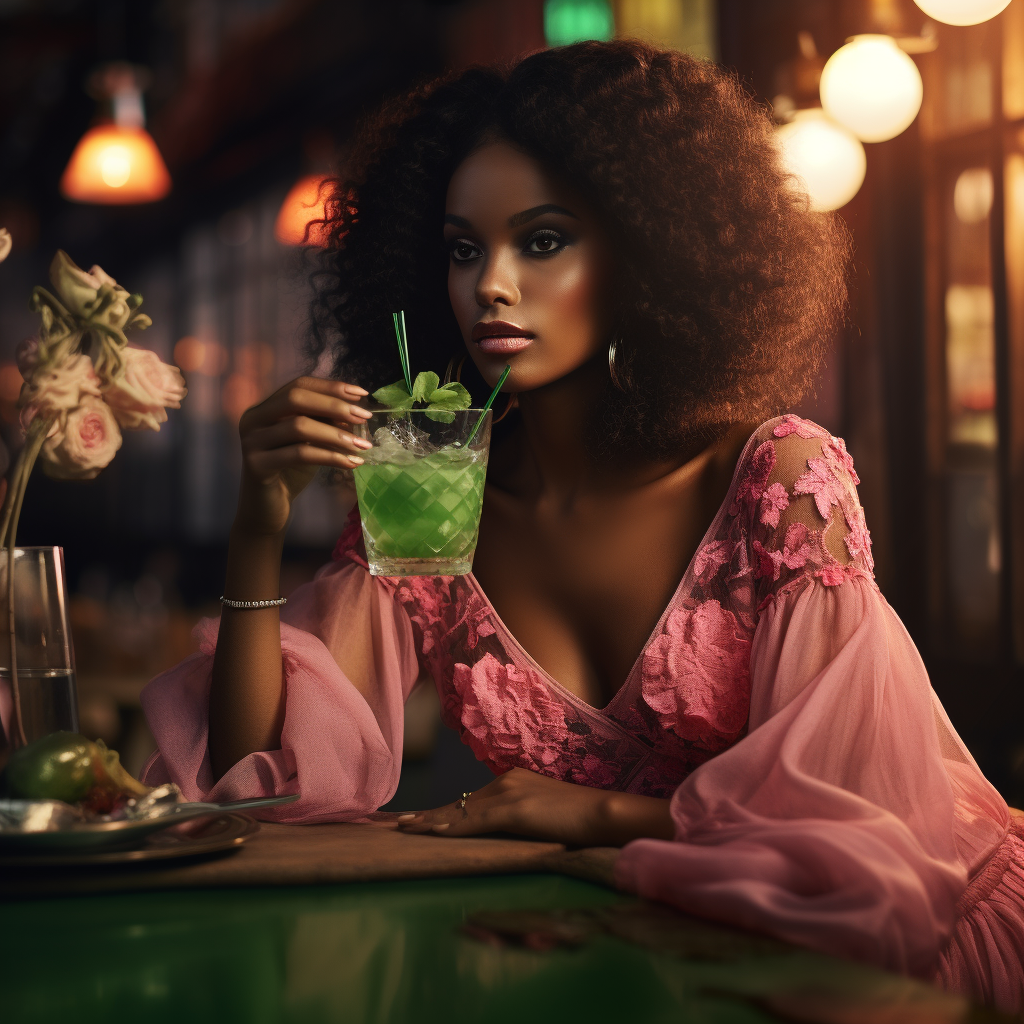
(192, 839)
(95, 837)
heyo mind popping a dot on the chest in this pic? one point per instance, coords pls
(582, 589)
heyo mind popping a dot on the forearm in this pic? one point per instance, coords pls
(619, 818)
(247, 694)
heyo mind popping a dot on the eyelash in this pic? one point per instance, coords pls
(543, 233)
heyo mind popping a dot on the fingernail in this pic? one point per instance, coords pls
(356, 391)
(355, 460)
(363, 414)
(440, 828)
(361, 442)
(406, 817)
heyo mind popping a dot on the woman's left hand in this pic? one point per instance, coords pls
(528, 804)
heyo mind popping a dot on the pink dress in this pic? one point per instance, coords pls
(819, 792)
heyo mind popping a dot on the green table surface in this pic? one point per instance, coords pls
(393, 951)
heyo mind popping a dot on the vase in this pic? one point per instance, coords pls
(45, 699)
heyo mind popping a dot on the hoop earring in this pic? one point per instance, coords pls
(613, 370)
(512, 403)
(454, 371)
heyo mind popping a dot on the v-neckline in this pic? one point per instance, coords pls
(634, 673)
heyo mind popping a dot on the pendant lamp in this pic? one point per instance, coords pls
(871, 87)
(116, 162)
(962, 12)
(826, 159)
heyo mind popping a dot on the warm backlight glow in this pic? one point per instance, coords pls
(973, 195)
(828, 161)
(962, 12)
(113, 164)
(302, 208)
(193, 355)
(871, 87)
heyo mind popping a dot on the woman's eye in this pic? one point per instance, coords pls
(545, 243)
(463, 251)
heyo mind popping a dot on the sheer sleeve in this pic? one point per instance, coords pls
(341, 743)
(834, 821)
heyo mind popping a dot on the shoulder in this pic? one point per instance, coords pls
(796, 486)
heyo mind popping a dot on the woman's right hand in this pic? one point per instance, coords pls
(303, 425)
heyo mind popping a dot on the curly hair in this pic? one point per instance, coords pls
(729, 287)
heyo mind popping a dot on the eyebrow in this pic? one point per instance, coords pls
(517, 218)
(527, 215)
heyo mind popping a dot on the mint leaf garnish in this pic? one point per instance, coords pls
(394, 396)
(441, 402)
(424, 385)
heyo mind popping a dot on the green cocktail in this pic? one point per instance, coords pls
(420, 492)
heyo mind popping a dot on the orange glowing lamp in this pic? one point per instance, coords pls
(117, 163)
(300, 219)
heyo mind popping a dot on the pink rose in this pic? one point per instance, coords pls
(88, 441)
(147, 388)
(53, 393)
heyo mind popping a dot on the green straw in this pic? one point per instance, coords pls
(488, 404)
(403, 348)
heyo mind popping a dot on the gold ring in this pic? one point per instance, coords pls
(462, 802)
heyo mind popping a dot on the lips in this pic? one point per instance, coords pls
(501, 338)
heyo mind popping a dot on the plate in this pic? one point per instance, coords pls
(184, 839)
(96, 837)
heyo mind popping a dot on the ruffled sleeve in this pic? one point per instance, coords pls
(834, 822)
(341, 746)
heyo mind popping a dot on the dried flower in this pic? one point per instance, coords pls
(90, 294)
(53, 393)
(147, 389)
(26, 355)
(86, 444)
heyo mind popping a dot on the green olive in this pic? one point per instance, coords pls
(61, 766)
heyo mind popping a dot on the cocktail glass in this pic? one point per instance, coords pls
(420, 490)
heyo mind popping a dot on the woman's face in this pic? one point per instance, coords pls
(529, 269)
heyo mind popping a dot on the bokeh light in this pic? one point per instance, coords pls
(871, 87)
(827, 160)
(973, 195)
(571, 21)
(193, 355)
(302, 209)
(962, 12)
(115, 165)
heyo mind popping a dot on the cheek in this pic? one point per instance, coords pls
(572, 298)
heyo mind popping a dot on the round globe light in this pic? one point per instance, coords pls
(962, 12)
(827, 161)
(871, 87)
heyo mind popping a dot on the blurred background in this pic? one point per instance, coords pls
(210, 123)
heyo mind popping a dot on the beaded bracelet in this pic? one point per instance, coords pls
(252, 605)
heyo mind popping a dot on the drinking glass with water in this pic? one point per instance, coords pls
(46, 697)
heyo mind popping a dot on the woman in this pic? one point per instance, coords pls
(672, 640)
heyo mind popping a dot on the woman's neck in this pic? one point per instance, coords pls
(549, 458)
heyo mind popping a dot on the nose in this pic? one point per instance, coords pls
(497, 285)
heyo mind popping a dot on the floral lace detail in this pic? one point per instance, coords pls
(688, 697)
(703, 645)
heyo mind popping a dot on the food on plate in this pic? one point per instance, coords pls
(66, 766)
